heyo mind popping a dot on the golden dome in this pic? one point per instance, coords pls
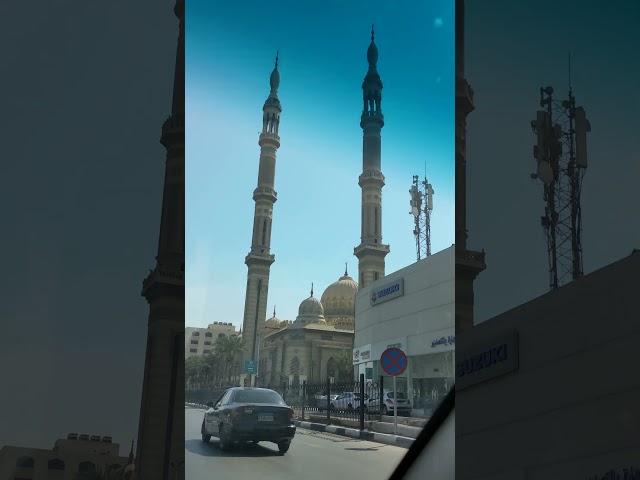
(339, 298)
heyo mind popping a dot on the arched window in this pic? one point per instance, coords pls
(24, 462)
(86, 467)
(294, 366)
(264, 231)
(331, 367)
(55, 464)
(375, 220)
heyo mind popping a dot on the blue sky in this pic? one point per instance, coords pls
(230, 50)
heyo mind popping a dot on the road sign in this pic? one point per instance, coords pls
(393, 361)
(250, 366)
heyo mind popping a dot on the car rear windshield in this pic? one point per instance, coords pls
(257, 396)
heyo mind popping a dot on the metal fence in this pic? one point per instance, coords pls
(326, 402)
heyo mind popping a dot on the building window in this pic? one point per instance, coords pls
(208, 334)
(194, 342)
(206, 351)
(86, 467)
(24, 462)
(375, 275)
(221, 335)
(193, 350)
(208, 342)
(55, 464)
(196, 334)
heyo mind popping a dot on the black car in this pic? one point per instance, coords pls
(244, 414)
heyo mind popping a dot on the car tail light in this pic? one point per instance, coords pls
(290, 414)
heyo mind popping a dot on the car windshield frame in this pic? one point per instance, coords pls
(257, 397)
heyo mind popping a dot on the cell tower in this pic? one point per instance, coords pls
(561, 156)
(421, 207)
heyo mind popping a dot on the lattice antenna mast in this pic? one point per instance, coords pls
(421, 208)
(561, 157)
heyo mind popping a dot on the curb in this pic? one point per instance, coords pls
(386, 438)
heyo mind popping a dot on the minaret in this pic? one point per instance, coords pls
(469, 263)
(371, 251)
(160, 448)
(259, 259)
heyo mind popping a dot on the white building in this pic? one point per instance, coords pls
(75, 454)
(200, 341)
(412, 309)
(551, 389)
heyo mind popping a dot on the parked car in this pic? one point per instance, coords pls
(404, 405)
(245, 414)
(348, 401)
(320, 399)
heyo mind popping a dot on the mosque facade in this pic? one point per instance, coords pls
(312, 346)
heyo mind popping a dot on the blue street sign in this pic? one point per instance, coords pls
(393, 361)
(250, 366)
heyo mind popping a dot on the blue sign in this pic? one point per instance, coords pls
(450, 340)
(388, 291)
(250, 366)
(393, 361)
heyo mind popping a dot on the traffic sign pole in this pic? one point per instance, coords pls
(394, 362)
(395, 407)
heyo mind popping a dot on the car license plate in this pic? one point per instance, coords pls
(265, 417)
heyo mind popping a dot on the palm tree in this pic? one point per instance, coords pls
(228, 350)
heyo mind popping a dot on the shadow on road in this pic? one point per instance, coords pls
(211, 449)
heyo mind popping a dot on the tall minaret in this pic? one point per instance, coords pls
(371, 251)
(259, 259)
(160, 449)
(469, 263)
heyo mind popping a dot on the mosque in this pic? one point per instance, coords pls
(313, 346)
(309, 347)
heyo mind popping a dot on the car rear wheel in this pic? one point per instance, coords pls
(205, 436)
(224, 442)
(283, 447)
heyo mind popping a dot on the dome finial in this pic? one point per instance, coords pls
(372, 32)
(312, 289)
(277, 55)
(345, 269)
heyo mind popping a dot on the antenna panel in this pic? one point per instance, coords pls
(582, 126)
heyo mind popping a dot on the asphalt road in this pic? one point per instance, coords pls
(312, 455)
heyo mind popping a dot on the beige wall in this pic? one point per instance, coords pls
(199, 335)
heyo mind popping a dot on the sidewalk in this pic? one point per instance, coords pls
(385, 438)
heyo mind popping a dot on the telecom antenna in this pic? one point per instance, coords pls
(421, 207)
(561, 158)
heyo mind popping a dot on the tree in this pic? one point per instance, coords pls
(228, 349)
(344, 366)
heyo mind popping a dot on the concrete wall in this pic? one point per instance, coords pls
(572, 408)
(423, 313)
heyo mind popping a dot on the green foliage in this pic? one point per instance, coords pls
(215, 368)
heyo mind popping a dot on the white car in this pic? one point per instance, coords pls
(348, 401)
(320, 399)
(404, 405)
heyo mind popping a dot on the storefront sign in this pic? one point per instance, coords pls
(448, 340)
(362, 354)
(388, 291)
(481, 362)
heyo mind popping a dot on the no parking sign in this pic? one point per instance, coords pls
(394, 362)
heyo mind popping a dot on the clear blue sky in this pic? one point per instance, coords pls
(229, 56)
